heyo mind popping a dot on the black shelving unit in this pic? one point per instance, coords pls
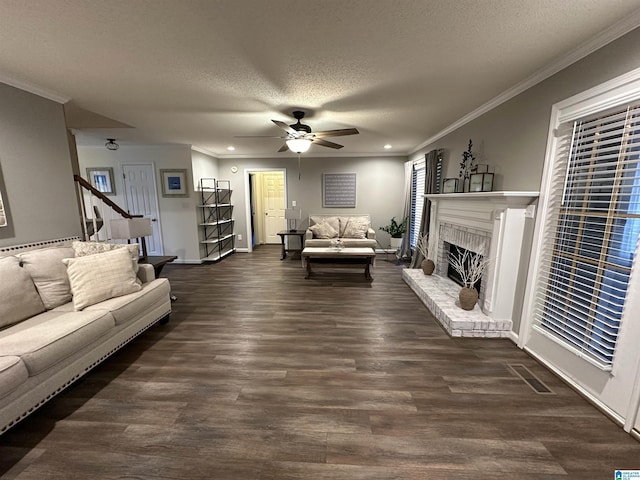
(218, 238)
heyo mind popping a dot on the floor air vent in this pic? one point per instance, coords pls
(530, 379)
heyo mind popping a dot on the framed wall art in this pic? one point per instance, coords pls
(339, 190)
(450, 185)
(174, 182)
(101, 178)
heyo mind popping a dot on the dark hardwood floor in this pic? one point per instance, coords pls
(261, 374)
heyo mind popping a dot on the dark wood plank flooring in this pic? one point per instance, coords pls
(261, 374)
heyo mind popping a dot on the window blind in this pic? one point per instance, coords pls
(592, 233)
(417, 202)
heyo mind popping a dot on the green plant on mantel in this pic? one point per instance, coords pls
(467, 164)
(395, 229)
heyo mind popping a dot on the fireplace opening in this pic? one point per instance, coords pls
(451, 272)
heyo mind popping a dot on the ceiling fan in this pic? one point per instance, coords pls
(299, 136)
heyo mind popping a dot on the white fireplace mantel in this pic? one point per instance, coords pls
(502, 216)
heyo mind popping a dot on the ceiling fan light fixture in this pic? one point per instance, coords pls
(111, 144)
(298, 145)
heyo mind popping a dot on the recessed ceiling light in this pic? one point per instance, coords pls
(231, 148)
(387, 146)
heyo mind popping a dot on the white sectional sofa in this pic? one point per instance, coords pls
(354, 230)
(63, 310)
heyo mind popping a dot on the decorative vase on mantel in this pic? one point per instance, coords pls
(427, 266)
(468, 298)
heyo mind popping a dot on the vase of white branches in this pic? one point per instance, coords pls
(427, 264)
(470, 266)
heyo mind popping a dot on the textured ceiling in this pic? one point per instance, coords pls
(202, 71)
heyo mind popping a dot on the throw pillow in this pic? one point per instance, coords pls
(19, 299)
(355, 229)
(323, 230)
(331, 220)
(99, 277)
(49, 274)
(83, 249)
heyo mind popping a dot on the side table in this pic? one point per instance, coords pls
(291, 233)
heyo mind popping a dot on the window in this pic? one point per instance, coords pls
(591, 232)
(417, 201)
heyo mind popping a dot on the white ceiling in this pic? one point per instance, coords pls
(202, 71)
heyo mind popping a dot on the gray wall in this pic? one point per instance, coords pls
(36, 166)
(380, 186)
(512, 138)
(178, 216)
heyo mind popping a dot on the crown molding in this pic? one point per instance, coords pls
(605, 37)
(204, 151)
(35, 89)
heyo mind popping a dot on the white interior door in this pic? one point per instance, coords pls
(273, 192)
(142, 199)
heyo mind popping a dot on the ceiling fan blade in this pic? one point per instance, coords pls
(283, 148)
(284, 126)
(337, 133)
(326, 143)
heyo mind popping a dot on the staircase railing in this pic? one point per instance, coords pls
(93, 202)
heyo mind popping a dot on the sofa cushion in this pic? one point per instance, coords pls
(18, 296)
(323, 230)
(98, 277)
(354, 227)
(330, 219)
(49, 337)
(49, 274)
(13, 372)
(129, 307)
(83, 249)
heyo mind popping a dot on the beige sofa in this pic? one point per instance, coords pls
(353, 230)
(63, 310)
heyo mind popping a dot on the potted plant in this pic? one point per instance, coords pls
(427, 264)
(470, 267)
(396, 230)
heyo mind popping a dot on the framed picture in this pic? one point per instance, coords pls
(450, 185)
(338, 190)
(174, 182)
(475, 183)
(101, 178)
(481, 182)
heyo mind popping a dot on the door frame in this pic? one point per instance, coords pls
(155, 199)
(247, 198)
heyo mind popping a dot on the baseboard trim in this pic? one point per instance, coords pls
(578, 388)
(513, 336)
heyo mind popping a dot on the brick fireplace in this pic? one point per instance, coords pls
(492, 223)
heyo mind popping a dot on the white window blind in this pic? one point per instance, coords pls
(417, 201)
(591, 235)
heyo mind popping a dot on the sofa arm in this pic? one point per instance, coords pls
(146, 273)
(308, 235)
(371, 234)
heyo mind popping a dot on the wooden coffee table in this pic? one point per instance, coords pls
(346, 256)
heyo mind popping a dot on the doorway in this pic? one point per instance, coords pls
(266, 202)
(142, 199)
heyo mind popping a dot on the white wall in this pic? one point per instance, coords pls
(178, 217)
(36, 166)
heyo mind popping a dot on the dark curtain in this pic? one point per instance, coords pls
(433, 166)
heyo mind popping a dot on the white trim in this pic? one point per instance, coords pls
(35, 89)
(204, 151)
(605, 37)
(288, 155)
(585, 393)
(247, 199)
(513, 336)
